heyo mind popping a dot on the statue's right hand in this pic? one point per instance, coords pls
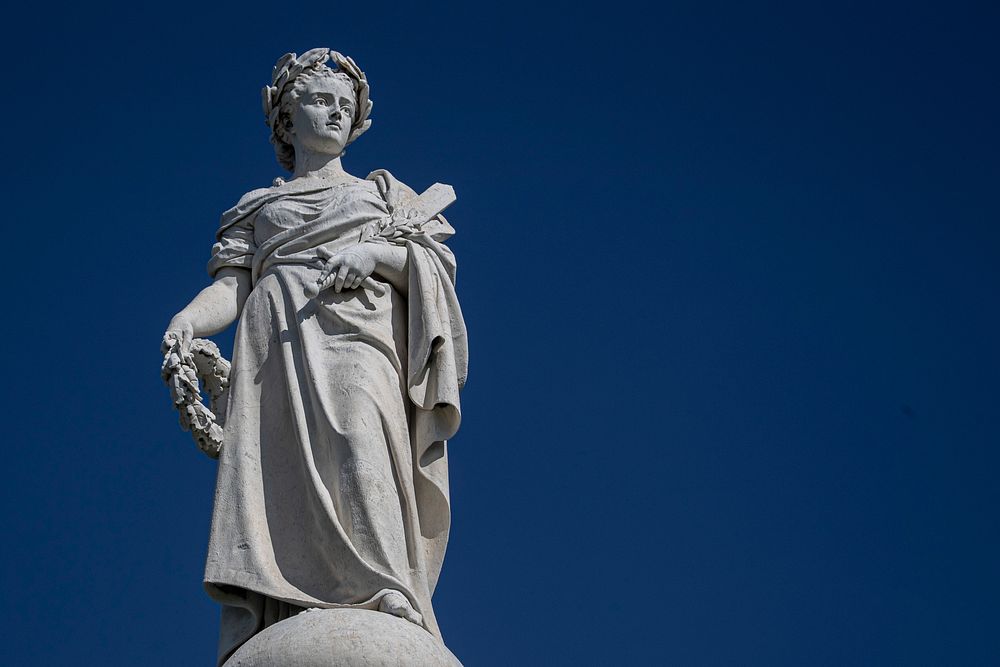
(180, 330)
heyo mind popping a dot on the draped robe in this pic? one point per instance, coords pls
(333, 479)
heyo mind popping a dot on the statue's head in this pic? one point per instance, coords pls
(313, 106)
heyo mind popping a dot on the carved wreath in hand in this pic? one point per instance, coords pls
(181, 371)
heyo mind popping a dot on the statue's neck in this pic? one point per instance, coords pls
(318, 165)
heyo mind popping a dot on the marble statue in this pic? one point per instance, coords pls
(330, 426)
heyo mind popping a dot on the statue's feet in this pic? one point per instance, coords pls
(395, 603)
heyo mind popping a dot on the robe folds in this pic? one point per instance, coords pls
(333, 477)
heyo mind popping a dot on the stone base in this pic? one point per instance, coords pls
(343, 638)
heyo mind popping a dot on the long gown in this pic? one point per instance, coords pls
(333, 478)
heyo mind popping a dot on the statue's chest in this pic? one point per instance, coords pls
(346, 207)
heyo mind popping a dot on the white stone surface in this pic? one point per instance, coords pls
(343, 638)
(332, 489)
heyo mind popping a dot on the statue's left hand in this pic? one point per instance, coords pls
(350, 266)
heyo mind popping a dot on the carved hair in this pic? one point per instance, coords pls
(288, 80)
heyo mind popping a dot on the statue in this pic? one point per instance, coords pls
(350, 351)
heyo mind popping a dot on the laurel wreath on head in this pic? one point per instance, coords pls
(290, 66)
(181, 370)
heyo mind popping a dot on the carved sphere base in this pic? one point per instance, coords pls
(343, 638)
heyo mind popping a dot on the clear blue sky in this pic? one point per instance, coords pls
(730, 274)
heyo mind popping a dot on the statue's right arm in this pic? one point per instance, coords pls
(215, 308)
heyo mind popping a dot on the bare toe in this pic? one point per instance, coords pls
(395, 603)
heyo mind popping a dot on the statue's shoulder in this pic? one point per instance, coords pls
(260, 195)
(393, 190)
(254, 195)
(246, 208)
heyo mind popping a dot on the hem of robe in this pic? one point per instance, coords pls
(253, 602)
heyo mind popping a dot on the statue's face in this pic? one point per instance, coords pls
(322, 116)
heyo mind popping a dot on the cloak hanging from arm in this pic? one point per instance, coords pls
(438, 366)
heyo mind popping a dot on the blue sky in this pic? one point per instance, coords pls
(730, 276)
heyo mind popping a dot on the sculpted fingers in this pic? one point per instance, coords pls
(179, 332)
(338, 284)
(179, 338)
(329, 266)
(346, 270)
(327, 270)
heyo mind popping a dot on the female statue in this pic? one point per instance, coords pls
(332, 484)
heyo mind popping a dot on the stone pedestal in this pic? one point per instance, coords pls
(343, 638)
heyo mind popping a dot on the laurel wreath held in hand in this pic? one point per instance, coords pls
(181, 371)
